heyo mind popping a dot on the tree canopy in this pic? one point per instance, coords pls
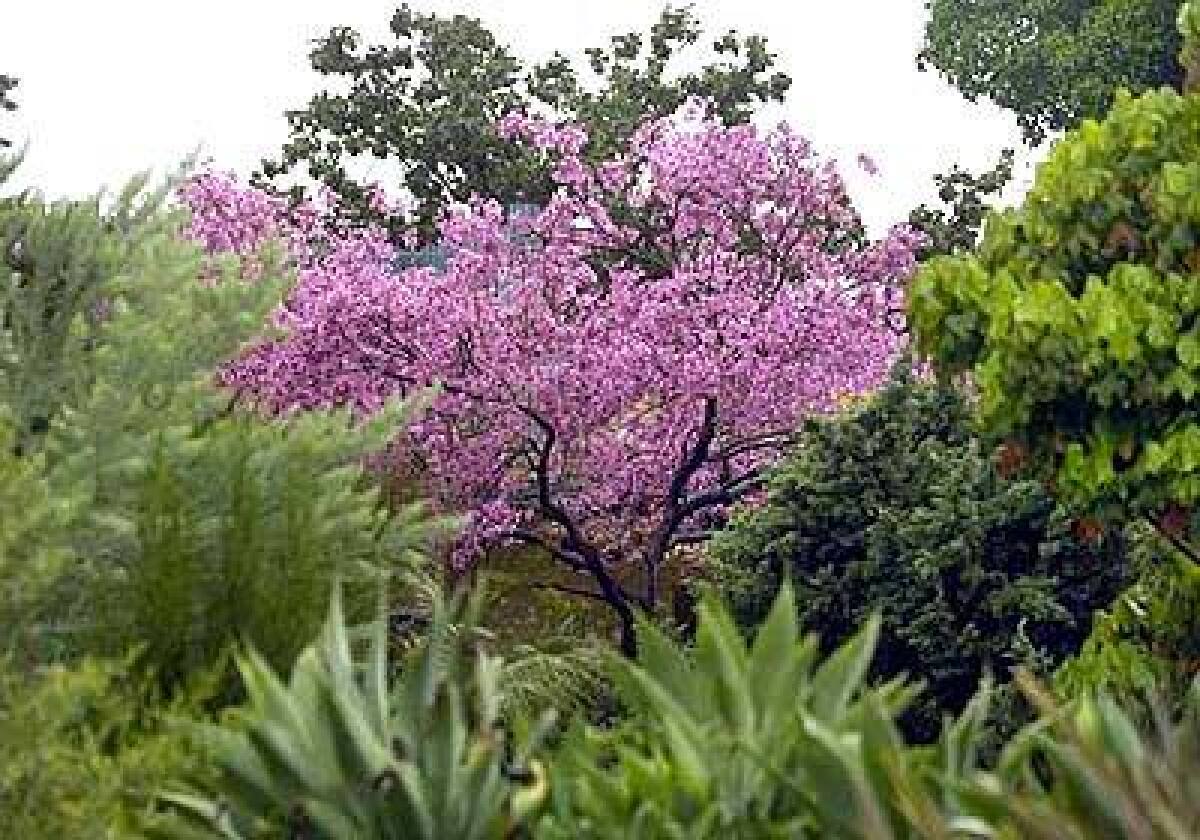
(7, 84)
(1052, 62)
(611, 380)
(1078, 315)
(430, 98)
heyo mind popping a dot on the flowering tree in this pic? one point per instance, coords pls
(616, 376)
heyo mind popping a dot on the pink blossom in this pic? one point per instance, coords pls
(610, 391)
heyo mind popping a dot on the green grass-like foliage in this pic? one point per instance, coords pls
(894, 507)
(728, 739)
(737, 742)
(390, 749)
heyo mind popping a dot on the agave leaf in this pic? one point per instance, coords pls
(836, 681)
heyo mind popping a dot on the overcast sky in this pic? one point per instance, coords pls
(108, 89)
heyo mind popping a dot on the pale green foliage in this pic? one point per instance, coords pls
(59, 264)
(1085, 771)
(346, 752)
(195, 522)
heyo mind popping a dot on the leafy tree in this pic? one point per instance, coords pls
(965, 197)
(1077, 316)
(7, 85)
(205, 523)
(1053, 63)
(895, 508)
(607, 391)
(431, 99)
(62, 259)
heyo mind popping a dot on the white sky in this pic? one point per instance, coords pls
(109, 89)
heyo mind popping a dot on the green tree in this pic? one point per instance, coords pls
(956, 226)
(895, 508)
(1078, 316)
(429, 100)
(61, 259)
(1053, 63)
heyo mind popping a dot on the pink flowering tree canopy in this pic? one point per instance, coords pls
(615, 371)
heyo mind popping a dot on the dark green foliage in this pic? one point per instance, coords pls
(1147, 645)
(1053, 63)
(430, 99)
(7, 85)
(894, 507)
(966, 199)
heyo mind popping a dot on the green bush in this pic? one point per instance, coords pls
(1147, 645)
(893, 507)
(62, 261)
(191, 522)
(32, 551)
(86, 750)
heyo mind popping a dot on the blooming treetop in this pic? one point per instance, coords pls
(617, 377)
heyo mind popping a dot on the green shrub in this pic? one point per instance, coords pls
(1147, 645)
(32, 551)
(193, 521)
(893, 507)
(86, 751)
(61, 262)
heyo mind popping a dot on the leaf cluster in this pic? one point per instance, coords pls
(430, 98)
(1054, 63)
(1078, 314)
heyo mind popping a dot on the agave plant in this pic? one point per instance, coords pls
(758, 741)
(1086, 771)
(347, 753)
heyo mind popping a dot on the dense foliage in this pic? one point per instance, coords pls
(179, 522)
(87, 750)
(728, 740)
(1077, 314)
(664, 367)
(895, 508)
(418, 755)
(428, 101)
(1054, 63)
